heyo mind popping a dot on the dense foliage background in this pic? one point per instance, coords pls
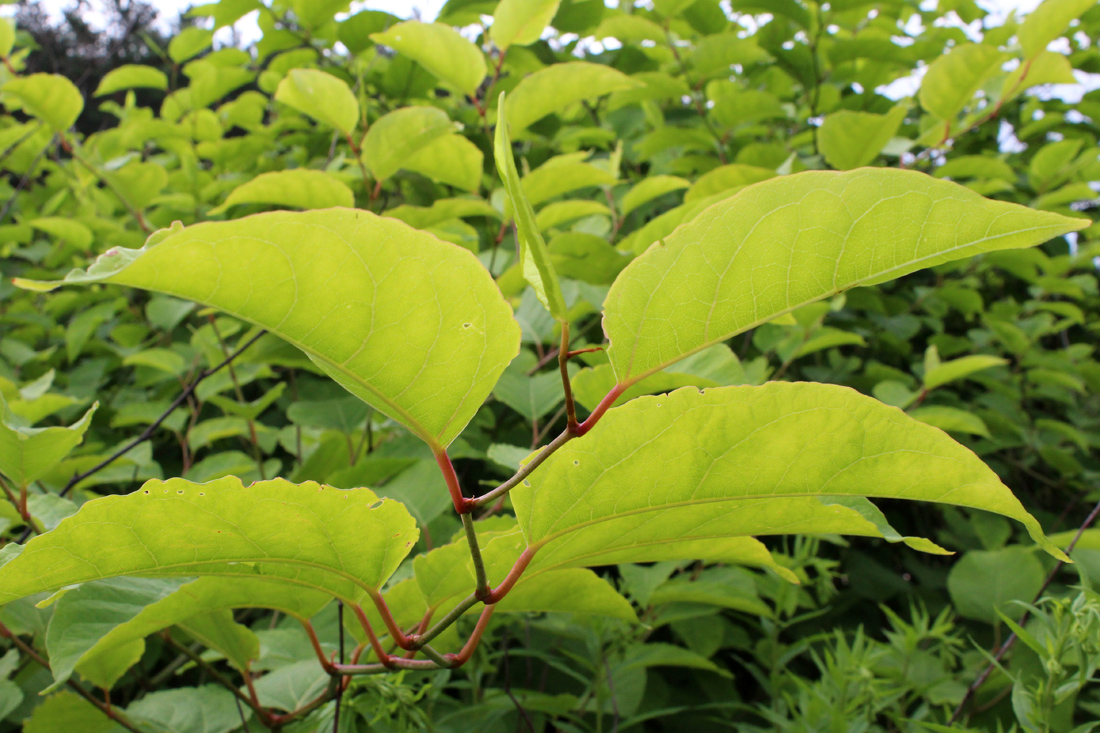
(682, 103)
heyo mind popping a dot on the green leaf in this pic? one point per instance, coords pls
(218, 631)
(663, 472)
(66, 712)
(854, 139)
(206, 709)
(322, 96)
(951, 419)
(1047, 22)
(571, 590)
(648, 189)
(345, 543)
(67, 230)
(136, 608)
(188, 43)
(716, 54)
(397, 136)
(562, 212)
(949, 371)
(84, 615)
(50, 97)
(290, 687)
(520, 22)
(790, 241)
(300, 188)
(555, 87)
(411, 325)
(314, 13)
(450, 159)
(983, 583)
(140, 182)
(726, 178)
(28, 453)
(534, 257)
(440, 49)
(953, 78)
(586, 257)
(132, 76)
(7, 37)
(556, 178)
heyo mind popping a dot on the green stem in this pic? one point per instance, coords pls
(481, 590)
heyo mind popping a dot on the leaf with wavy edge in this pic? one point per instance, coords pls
(789, 241)
(345, 543)
(412, 325)
(731, 461)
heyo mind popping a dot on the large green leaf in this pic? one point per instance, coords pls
(300, 188)
(521, 22)
(50, 97)
(440, 49)
(792, 240)
(410, 324)
(27, 453)
(953, 78)
(538, 270)
(732, 461)
(556, 87)
(394, 138)
(345, 543)
(322, 96)
(450, 159)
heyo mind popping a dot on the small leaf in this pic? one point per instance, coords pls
(853, 139)
(300, 189)
(648, 189)
(322, 96)
(450, 159)
(423, 342)
(521, 22)
(953, 78)
(395, 137)
(132, 76)
(1047, 22)
(984, 583)
(27, 453)
(534, 257)
(345, 543)
(440, 49)
(557, 86)
(66, 712)
(7, 37)
(188, 43)
(949, 371)
(793, 240)
(206, 709)
(50, 97)
(951, 419)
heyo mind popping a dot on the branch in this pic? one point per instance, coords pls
(148, 432)
(1011, 640)
(563, 364)
(217, 676)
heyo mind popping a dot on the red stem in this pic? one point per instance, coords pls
(457, 660)
(391, 625)
(379, 652)
(604, 406)
(462, 504)
(513, 575)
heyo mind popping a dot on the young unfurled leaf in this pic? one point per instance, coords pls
(736, 461)
(440, 49)
(50, 97)
(345, 543)
(322, 96)
(792, 240)
(411, 325)
(534, 256)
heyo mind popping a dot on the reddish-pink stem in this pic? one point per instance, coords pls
(462, 504)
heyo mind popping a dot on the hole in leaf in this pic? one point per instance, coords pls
(376, 504)
(576, 463)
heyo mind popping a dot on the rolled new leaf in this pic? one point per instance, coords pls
(410, 324)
